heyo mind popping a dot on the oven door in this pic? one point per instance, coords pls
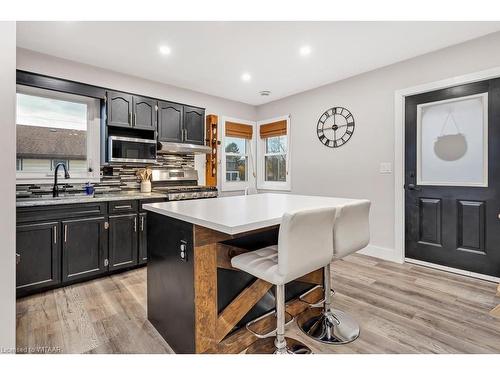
(131, 150)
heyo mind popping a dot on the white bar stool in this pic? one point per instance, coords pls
(305, 244)
(351, 233)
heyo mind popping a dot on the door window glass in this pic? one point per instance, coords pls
(452, 142)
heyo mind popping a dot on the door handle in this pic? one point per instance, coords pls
(142, 223)
(65, 233)
(135, 224)
(413, 187)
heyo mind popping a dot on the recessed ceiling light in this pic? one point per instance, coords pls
(246, 77)
(165, 50)
(305, 50)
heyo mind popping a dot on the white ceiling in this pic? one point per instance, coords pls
(210, 57)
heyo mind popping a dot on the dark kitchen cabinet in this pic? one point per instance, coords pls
(143, 238)
(194, 125)
(123, 243)
(39, 248)
(129, 111)
(119, 109)
(144, 113)
(170, 126)
(84, 248)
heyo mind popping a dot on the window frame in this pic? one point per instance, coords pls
(250, 153)
(261, 154)
(93, 138)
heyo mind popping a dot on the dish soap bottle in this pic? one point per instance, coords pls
(89, 189)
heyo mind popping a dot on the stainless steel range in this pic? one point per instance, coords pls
(180, 184)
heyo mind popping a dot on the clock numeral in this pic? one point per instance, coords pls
(335, 143)
(339, 110)
(340, 142)
(348, 132)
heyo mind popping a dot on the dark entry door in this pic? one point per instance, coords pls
(452, 177)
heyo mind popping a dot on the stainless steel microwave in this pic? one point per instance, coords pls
(131, 150)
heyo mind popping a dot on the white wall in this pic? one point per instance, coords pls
(53, 66)
(7, 187)
(353, 169)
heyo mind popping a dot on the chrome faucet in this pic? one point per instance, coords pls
(55, 189)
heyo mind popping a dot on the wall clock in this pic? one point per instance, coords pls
(335, 127)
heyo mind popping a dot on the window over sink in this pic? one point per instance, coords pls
(52, 128)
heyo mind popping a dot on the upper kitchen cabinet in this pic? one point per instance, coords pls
(194, 125)
(119, 109)
(144, 116)
(170, 122)
(130, 111)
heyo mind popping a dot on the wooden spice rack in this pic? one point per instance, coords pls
(212, 141)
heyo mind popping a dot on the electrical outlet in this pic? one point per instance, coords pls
(183, 251)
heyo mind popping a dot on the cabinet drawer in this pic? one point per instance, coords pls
(60, 212)
(122, 206)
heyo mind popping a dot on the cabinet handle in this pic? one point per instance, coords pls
(185, 134)
(55, 233)
(65, 233)
(130, 119)
(125, 206)
(142, 223)
(135, 224)
(135, 119)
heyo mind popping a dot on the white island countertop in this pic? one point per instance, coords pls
(242, 213)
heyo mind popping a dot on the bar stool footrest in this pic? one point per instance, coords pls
(270, 315)
(316, 304)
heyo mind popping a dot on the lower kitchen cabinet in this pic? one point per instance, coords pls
(143, 238)
(62, 244)
(84, 248)
(123, 243)
(39, 256)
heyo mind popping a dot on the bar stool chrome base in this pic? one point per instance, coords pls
(330, 327)
(268, 346)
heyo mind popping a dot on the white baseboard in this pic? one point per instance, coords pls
(380, 252)
(453, 270)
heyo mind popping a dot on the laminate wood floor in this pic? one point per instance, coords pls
(401, 309)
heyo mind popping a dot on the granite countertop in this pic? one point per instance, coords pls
(104, 197)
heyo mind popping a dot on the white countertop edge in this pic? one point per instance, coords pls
(211, 225)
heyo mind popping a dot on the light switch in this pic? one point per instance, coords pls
(386, 168)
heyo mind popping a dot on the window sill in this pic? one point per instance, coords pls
(275, 187)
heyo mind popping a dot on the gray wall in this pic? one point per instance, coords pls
(353, 169)
(7, 188)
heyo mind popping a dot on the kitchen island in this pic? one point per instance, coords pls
(196, 300)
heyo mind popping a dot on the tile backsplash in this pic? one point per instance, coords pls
(114, 179)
